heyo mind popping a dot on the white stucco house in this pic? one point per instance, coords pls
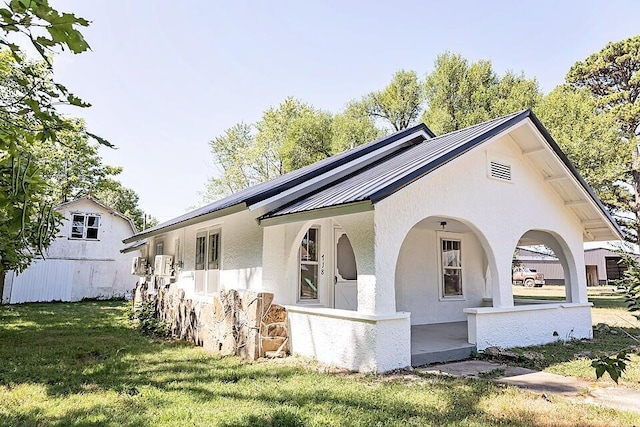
(401, 248)
(84, 261)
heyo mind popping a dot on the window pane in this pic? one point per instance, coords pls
(92, 233)
(308, 282)
(160, 248)
(452, 282)
(200, 252)
(93, 221)
(451, 253)
(77, 227)
(346, 261)
(214, 244)
(76, 232)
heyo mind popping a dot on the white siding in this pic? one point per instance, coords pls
(74, 269)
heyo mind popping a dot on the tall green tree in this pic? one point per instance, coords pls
(613, 79)
(400, 103)
(291, 136)
(459, 94)
(353, 127)
(28, 115)
(592, 141)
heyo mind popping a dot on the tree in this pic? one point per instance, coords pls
(353, 127)
(459, 94)
(400, 103)
(309, 138)
(28, 115)
(291, 136)
(234, 153)
(113, 194)
(592, 141)
(613, 79)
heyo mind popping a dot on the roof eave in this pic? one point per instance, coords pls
(327, 212)
(187, 222)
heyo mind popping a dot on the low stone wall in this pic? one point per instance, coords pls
(242, 323)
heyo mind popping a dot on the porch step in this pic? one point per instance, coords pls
(450, 355)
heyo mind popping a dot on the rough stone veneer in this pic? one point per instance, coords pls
(242, 323)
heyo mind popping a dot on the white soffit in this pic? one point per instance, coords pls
(541, 155)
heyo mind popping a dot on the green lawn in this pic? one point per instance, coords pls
(82, 365)
(608, 308)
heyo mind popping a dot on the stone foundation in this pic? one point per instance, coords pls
(242, 323)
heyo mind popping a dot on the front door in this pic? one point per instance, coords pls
(346, 274)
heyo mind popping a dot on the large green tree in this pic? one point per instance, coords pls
(459, 94)
(612, 77)
(29, 100)
(293, 135)
(591, 139)
(399, 104)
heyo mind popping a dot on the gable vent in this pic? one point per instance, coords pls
(500, 171)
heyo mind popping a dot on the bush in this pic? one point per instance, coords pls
(144, 318)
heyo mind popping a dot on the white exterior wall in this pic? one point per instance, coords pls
(74, 269)
(462, 190)
(418, 287)
(352, 340)
(240, 252)
(529, 325)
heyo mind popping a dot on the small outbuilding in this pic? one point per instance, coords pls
(399, 251)
(84, 261)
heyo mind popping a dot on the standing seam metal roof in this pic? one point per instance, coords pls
(399, 169)
(278, 185)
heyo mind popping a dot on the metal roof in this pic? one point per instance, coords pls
(402, 167)
(252, 195)
(399, 169)
(373, 171)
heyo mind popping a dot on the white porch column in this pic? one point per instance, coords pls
(577, 287)
(501, 284)
(360, 229)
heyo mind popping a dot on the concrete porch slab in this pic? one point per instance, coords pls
(440, 342)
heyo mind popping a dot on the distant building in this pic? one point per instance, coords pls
(602, 265)
(84, 260)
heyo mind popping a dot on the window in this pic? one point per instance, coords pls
(451, 268)
(207, 262)
(213, 262)
(160, 247)
(85, 226)
(309, 249)
(201, 249)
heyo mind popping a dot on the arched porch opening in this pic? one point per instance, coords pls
(543, 269)
(445, 265)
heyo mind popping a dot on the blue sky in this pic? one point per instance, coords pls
(165, 77)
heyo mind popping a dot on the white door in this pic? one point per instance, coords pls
(346, 274)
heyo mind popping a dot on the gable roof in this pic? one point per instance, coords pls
(102, 205)
(389, 175)
(301, 181)
(358, 178)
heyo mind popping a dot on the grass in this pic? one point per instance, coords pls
(568, 358)
(82, 365)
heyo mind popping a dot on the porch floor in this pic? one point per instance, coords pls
(439, 342)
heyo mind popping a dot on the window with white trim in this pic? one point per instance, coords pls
(451, 263)
(207, 260)
(308, 256)
(85, 226)
(160, 247)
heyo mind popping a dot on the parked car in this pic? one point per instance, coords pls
(527, 277)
